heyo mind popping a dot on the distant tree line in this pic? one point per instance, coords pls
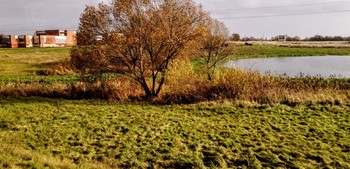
(291, 38)
(327, 38)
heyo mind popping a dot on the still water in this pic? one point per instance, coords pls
(324, 66)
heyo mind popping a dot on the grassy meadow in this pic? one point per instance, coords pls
(48, 133)
(240, 120)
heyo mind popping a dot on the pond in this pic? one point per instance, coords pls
(323, 66)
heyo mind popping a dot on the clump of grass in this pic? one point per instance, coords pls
(182, 85)
(18, 90)
(117, 89)
(120, 88)
(253, 86)
(58, 68)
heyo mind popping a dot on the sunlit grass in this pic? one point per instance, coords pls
(26, 65)
(45, 132)
(277, 51)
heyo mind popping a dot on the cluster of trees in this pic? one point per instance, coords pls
(235, 37)
(327, 38)
(288, 38)
(140, 39)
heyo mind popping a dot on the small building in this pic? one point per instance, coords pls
(25, 41)
(9, 41)
(54, 38)
(44, 41)
(282, 37)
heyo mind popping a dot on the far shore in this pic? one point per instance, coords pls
(324, 44)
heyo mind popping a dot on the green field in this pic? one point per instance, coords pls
(37, 132)
(276, 51)
(30, 65)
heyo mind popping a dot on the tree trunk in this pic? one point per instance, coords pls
(160, 86)
(145, 87)
(210, 77)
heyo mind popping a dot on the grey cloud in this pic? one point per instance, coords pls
(295, 25)
(25, 16)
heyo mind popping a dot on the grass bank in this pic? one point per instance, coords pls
(39, 133)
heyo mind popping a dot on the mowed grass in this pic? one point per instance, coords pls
(46, 133)
(37, 55)
(25, 65)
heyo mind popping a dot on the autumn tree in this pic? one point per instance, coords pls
(235, 37)
(214, 47)
(91, 55)
(137, 38)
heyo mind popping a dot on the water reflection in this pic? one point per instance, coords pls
(322, 66)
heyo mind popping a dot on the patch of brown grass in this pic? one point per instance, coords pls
(254, 87)
(32, 89)
(58, 68)
(118, 89)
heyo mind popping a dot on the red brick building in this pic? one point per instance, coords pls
(25, 41)
(46, 38)
(9, 41)
(54, 38)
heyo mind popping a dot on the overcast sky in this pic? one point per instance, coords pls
(258, 18)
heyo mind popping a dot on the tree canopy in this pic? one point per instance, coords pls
(138, 38)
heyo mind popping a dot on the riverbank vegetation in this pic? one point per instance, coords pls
(28, 80)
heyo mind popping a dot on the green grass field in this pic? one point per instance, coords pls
(27, 65)
(275, 51)
(26, 61)
(38, 132)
